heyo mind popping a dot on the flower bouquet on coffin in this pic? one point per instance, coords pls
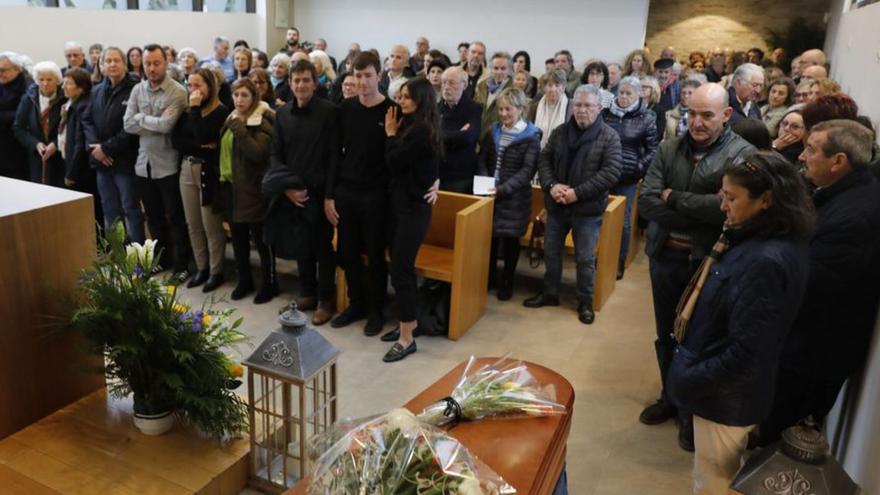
(395, 453)
(504, 388)
(170, 356)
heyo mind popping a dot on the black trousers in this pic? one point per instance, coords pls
(317, 269)
(165, 218)
(509, 254)
(242, 233)
(363, 229)
(411, 222)
(670, 273)
(797, 397)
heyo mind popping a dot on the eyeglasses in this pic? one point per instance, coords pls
(802, 95)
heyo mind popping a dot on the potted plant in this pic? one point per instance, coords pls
(170, 356)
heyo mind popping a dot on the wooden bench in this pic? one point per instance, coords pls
(607, 247)
(456, 250)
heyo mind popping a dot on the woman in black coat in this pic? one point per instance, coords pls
(637, 129)
(36, 125)
(196, 136)
(412, 153)
(71, 139)
(734, 317)
(510, 154)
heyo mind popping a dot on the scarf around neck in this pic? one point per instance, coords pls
(549, 116)
(618, 111)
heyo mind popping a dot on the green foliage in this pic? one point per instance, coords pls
(170, 356)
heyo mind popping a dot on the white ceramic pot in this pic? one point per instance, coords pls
(154, 424)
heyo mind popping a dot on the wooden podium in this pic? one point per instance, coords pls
(47, 235)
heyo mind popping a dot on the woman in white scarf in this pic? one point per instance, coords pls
(552, 110)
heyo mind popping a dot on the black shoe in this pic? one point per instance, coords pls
(540, 300)
(241, 290)
(213, 282)
(266, 293)
(393, 335)
(620, 269)
(198, 279)
(398, 352)
(374, 325)
(505, 290)
(347, 317)
(586, 315)
(658, 412)
(686, 434)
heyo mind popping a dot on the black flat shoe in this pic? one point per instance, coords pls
(393, 335)
(686, 435)
(586, 315)
(213, 282)
(241, 290)
(505, 291)
(374, 326)
(398, 352)
(658, 412)
(540, 300)
(198, 279)
(266, 293)
(347, 317)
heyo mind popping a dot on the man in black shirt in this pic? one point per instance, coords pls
(460, 125)
(305, 147)
(357, 196)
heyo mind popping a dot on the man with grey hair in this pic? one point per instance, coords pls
(13, 86)
(476, 66)
(221, 56)
(490, 88)
(829, 340)
(680, 200)
(417, 61)
(578, 167)
(321, 44)
(565, 61)
(398, 71)
(73, 53)
(615, 72)
(744, 93)
(460, 128)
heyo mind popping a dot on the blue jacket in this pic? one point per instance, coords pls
(638, 141)
(738, 113)
(725, 370)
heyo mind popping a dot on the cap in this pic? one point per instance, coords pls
(664, 63)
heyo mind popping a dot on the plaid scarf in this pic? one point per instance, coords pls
(688, 302)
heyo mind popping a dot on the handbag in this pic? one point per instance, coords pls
(534, 254)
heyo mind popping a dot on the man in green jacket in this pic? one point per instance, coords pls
(680, 200)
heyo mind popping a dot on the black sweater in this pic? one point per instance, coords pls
(460, 146)
(306, 142)
(362, 165)
(412, 161)
(194, 131)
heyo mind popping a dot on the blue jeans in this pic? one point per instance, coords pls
(119, 197)
(585, 232)
(628, 190)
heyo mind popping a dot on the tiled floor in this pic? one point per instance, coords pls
(611, 365)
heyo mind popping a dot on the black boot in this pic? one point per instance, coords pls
(586, 315)
(621, 267)
(198, 279)
(505, 288)
(213, 282)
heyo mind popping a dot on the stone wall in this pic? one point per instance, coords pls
(701, 25)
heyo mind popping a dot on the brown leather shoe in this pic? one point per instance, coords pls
(323, 314)
(306, 303)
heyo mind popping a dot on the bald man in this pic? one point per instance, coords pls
(813, 57)
(680, 200)
(815, 72)
(398, 71)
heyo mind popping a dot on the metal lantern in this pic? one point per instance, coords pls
(800, 464)
(291, 396)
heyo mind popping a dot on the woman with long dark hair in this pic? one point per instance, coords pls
(412, 152)
(135, 61)
(197, 136)
(735, 314)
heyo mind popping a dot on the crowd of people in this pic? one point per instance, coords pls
(754, 177)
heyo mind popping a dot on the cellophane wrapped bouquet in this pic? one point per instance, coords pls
(397, 454)
(504, 388)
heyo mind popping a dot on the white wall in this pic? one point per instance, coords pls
(41, 32)
(588, 28)
(853, 46)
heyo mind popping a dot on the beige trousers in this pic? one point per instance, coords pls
(718, 455)
(205, 227)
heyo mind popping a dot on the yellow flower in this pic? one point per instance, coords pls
(206, 320)
(179, 308)
(236, 370)
(170, 289)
